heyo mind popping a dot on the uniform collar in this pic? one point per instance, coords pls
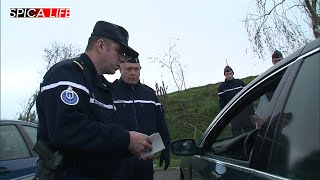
(127, 85)
(228, 80)
(99, 80)
(88, 63)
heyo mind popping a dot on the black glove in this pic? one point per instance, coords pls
(165, 156)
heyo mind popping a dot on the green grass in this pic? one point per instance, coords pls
(189, 112)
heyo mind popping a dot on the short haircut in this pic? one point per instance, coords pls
(277, 54)
(93, 39)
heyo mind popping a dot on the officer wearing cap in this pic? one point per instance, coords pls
(139, 109)
(276, 57)
(266, 98)
(226, 91)
(229, 88)
(76, 110)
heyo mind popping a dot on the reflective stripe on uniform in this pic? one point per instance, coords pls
(108, 106)
(64, 83)
(136, 101)
(240, 87)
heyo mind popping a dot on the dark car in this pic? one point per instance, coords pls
(17, 159)
(287, 143)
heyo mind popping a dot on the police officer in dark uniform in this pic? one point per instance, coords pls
(76, 110)
(139, 110)
(229, 88)
(226, 91)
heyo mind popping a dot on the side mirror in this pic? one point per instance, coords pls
(184, 147)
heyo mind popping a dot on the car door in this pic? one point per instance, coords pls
(295, 140)
(227, 147)
(17, 161)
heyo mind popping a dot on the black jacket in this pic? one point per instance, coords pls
(76, 116)
(139, 109)
(228, 89)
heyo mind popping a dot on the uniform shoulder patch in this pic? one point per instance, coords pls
(69, 97)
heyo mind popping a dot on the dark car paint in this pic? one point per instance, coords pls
(19, 168)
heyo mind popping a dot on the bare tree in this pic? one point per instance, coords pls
(57, 52)
(29, 114)
(170, 61)
(282, 24)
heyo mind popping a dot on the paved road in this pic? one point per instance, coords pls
(169, 174)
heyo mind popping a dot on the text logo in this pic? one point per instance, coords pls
(39, 12)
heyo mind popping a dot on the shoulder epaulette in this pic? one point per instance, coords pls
(78, 63)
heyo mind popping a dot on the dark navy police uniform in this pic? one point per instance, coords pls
(76, 116)
(138, 109)
(228, 89)
(242, 122)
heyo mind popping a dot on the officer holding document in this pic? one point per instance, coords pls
(78, 137)
(138, 109)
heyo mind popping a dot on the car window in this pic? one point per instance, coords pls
(296, 149)
(32, 132)
(252, 111)
(12, 145)
(252, 115)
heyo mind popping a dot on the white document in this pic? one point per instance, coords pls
(157, 145)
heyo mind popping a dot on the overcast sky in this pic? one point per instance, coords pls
(209, 32)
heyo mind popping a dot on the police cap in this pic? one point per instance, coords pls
(227, 69)
(116, 33)
(134, 60)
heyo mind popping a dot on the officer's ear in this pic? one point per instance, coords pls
(101, 44)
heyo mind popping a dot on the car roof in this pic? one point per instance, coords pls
(14, 121)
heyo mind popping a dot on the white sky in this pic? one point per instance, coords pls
(209, 32)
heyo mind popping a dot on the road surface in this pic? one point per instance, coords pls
(169, 174)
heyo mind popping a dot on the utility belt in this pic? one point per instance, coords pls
(50, 162)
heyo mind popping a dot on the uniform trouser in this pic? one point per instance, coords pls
(134, 169)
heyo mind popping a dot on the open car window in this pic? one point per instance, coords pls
(253, 114)
(245, 118)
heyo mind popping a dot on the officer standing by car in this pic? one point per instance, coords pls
(76, 111)
(229, 88)
(226, 91)
(139, 110)
(264, 100)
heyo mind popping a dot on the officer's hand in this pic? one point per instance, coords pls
(146, 158)
(139, 142)
(165, 156)
(257, 121)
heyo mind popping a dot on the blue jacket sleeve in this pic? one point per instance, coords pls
(73, 127)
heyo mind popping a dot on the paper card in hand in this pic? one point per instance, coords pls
(157, 145)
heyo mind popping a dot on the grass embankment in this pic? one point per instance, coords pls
(189, 112)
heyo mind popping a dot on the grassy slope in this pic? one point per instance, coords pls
(189, 112)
